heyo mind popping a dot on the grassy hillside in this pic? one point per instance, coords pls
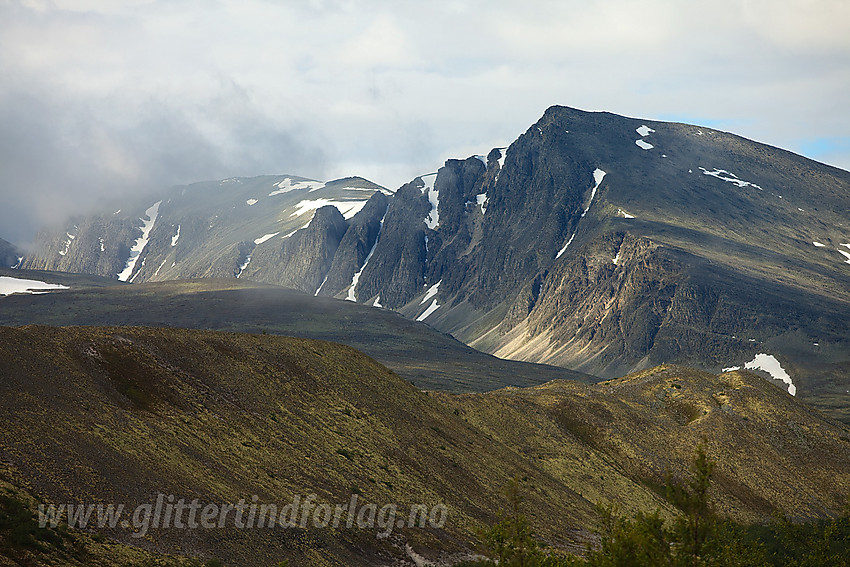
(24, 542)
(120, 414)
(428, 358)
(773, 453)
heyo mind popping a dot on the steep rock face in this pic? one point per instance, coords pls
(357, 243)
(396, 271)
(9, 255)
(96, 245)
(532, 207)
(301, 261)
(591, 310)
(704, 249)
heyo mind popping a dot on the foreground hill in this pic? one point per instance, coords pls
(595, 242)
(651, 421)
(118, 415)
(428, 358)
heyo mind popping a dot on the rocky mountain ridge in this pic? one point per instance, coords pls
(594, 241)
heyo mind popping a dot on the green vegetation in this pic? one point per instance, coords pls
(223, 416)
(23, 542)
(696, 537)
(188, 413)
(20, 529)
(511, 539)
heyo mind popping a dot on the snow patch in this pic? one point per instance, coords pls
(287, 185)
(71, 237)
(481, 199)
(243, 266)
(504, 154)
(769, 364)
(483, 160)
(18, 265)
(846, 255)
(427, 313)
(432, 221)
(598, 176)
(139, 246)
(644, 145)
(176, 237)
(377, 302)
(818, 244)
(354, 189)
(347, 208)
(730, 177)
(156, 273)
(321, 285)
(625, 214)
(432, 291)
(262, 239)
(847, 245)
(283, 187)
(564, 249)
(644, 131)
(428, 179)
(102, 244)
(313, 185)
(10, 285)
(616, 259)
(251, 202)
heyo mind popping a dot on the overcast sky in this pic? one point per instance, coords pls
(106, 97)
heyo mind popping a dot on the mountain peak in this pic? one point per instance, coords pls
(605, 244)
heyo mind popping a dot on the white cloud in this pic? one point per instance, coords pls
(155, 92)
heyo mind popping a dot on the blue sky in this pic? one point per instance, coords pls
(103, 98)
